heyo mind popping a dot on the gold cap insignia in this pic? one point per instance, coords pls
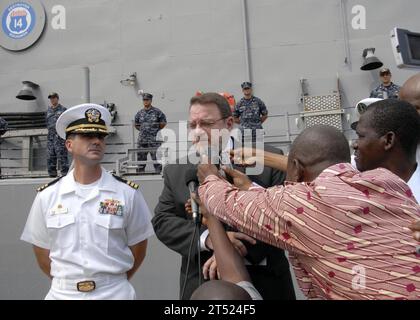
(93, 115)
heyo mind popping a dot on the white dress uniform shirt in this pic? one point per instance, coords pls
(88, 228)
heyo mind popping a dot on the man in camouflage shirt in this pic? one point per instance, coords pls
(387, 90)
(3, 129)
(250, 112)
(149, 121)
(56, 148)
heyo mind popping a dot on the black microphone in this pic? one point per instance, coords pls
(191, 181)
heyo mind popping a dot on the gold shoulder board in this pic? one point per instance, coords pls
(128, 182)
(45, 186)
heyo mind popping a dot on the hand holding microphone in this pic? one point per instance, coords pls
(202, 210)
(239, 179)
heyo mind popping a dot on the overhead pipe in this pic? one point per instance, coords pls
(346, 41)
(86, 96)
(245, 25)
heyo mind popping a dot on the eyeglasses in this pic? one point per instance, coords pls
(205, 124)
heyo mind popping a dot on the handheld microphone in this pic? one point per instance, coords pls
(191, 181)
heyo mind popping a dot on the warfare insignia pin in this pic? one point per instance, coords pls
(93, 115)
(59, 209)
(112, 207)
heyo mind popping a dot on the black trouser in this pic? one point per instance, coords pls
(56, 149)
(150, 147)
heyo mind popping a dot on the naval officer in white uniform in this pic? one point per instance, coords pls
(89, 229)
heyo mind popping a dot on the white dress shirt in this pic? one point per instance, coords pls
(250, 288)
(88, 228)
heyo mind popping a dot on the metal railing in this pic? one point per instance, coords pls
(129, 165)
(23, 152)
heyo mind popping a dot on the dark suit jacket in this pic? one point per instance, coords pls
(174, 227)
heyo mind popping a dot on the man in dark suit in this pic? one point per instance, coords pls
(269, 269)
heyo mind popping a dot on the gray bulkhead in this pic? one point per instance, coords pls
(177, 47)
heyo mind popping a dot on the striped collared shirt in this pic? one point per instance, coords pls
(347, 232)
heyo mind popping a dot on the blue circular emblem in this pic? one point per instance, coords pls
(18, 20)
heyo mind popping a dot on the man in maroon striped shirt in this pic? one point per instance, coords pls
(347, 232)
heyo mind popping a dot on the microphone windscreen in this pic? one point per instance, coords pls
(191, 175)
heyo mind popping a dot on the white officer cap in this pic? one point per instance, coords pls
(84, 118)
(361, 107)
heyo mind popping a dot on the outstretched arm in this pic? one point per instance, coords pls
(249, 156)
(230, 264)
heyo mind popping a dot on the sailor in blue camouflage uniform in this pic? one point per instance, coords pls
(387, 89)
(3, 126)
(250, 112)
(3, 129)
(56, 148)
(149, 121)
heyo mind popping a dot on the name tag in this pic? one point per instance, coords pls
(59, 209)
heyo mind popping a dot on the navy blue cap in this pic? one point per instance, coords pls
(53, 95)
(147, 96)
(384, 71)
(246, 85)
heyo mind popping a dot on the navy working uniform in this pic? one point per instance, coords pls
(56, 148)
(3, 126)
(3, 129)
(148, 121)
(382, 92)
(88, 228)
(249, 111)
(391, 91)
